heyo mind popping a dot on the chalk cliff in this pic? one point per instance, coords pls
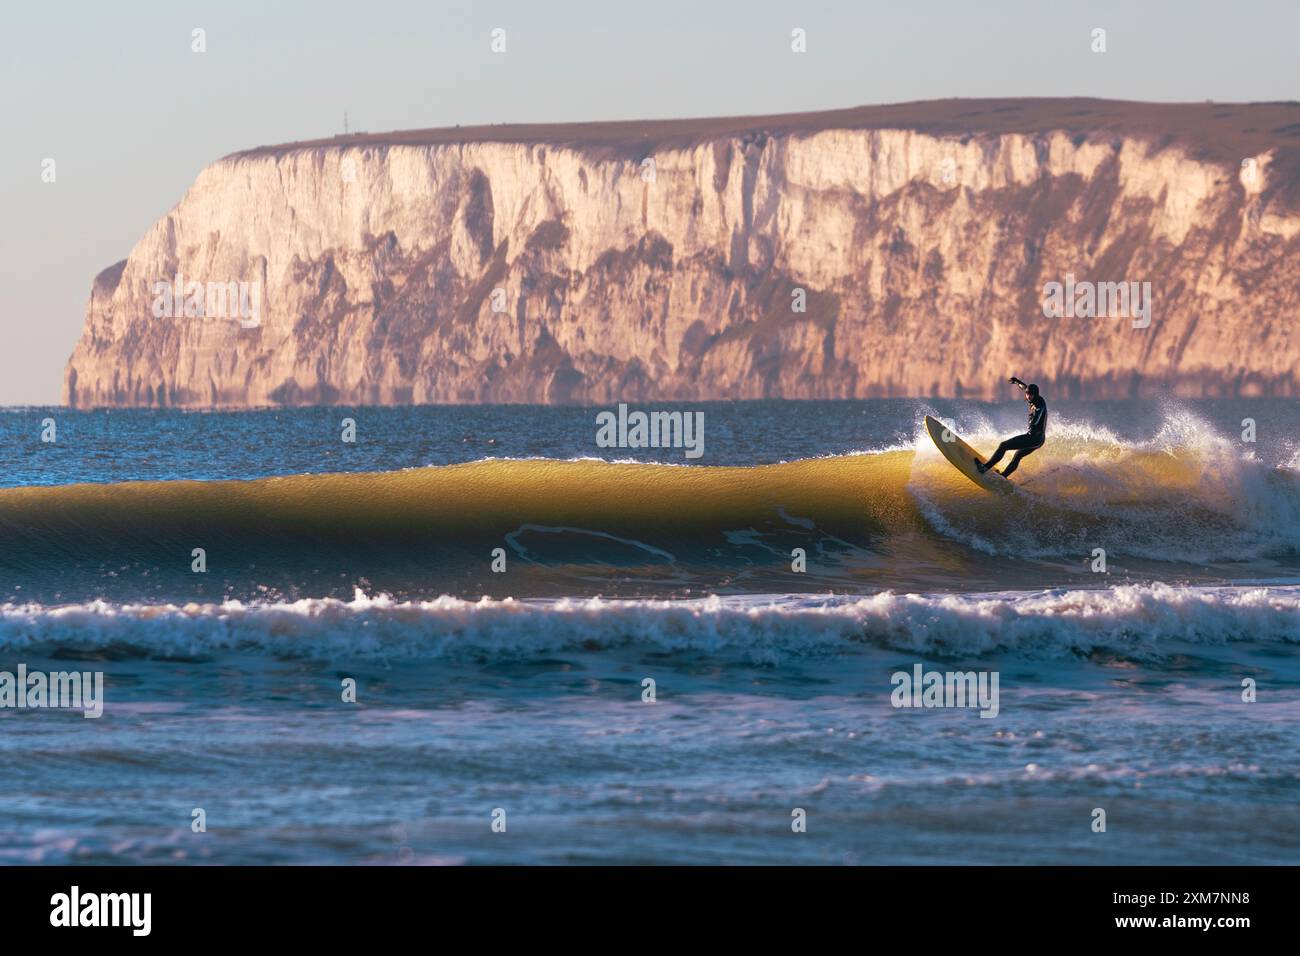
(877, 251)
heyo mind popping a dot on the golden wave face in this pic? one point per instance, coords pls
(897, 519)
(487, 498)
(561, 526)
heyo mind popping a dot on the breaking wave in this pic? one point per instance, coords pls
(900, 518)
(1140, 622)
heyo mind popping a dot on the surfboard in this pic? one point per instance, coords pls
(963, 458)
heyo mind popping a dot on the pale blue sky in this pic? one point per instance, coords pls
(114, 95)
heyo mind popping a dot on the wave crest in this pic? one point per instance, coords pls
(1142, 622)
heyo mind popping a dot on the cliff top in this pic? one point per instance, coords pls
(1221, 132)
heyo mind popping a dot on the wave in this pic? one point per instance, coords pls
(1186, 495)
(1139, 622)
(900, 517)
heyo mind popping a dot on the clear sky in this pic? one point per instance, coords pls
(113, 93)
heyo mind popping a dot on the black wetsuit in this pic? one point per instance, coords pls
(1025, 444)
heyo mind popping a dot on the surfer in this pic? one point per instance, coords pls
(1030, 441)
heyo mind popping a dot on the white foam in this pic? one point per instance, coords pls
(1142, 621)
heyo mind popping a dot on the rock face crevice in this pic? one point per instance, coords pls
(867, 253)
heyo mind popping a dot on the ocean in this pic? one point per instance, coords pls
(476, 635)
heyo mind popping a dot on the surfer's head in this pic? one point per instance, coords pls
(1031, 392)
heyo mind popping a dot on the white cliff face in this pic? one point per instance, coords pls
(496, 271)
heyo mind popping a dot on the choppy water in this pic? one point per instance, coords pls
(523, 689)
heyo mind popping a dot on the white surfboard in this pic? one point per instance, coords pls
(964, 457)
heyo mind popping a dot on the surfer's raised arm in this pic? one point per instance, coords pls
(1015, 381)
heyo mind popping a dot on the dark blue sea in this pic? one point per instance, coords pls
(478, 635)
